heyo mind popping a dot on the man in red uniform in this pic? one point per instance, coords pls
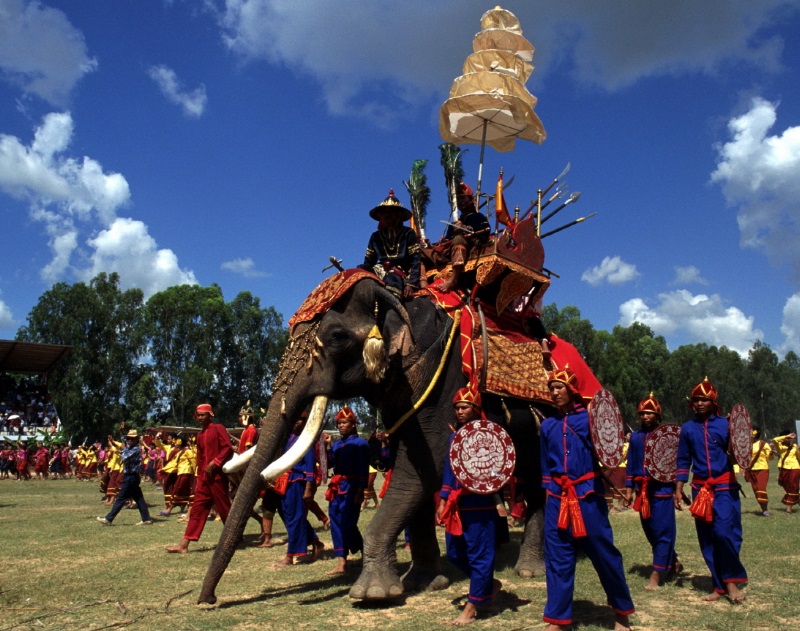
(213, 450)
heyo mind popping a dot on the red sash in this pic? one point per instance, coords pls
(281, 482)
(333, 487)
(642, 502)
(570, 509)
(450, 516)
(703, 505)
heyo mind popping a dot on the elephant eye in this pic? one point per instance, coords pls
(338, 336)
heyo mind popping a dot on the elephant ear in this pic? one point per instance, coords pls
(400, 341)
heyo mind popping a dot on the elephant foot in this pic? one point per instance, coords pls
(529, 568)
(207, 598)
(424, 580)
(373, 585)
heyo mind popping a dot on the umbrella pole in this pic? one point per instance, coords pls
(480, 164)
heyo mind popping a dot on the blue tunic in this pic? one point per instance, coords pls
(659, 528)
(703, 448)
(293, 509)
(566, 451)
(349, 458)
(472, 552)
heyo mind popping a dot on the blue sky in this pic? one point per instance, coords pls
(243, 143)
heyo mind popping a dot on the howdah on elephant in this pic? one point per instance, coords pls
(352, 337)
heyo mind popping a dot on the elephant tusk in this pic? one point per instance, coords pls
(238, 461)
(303, 442)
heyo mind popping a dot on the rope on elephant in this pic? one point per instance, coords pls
(440, 368)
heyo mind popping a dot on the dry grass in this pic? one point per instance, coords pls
(63, 570)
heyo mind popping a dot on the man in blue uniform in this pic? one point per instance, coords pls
(703, 448)
(300, 488)
(470, 521)
(576, 514)
(349, 458)
(131, 489)
(653, 498)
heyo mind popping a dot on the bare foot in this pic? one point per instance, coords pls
(555, 627)
(467, 615)
(653, 582)
(496, 587)
(266, 543)
(318, 547)
(712, 597)
(179, 549)
(735, 595)
(284, 563)
(621, 622)
(341, 566)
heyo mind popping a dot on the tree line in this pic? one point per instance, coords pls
(144, 362)
(632, 361)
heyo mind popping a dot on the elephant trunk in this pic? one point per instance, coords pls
(268, 446)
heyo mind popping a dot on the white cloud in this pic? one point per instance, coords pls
(698, 318)
(6, 319)
(759, 175)
(612, 270)
(74, 198)
(41, 51)
(192, 102)
(244, 266)
(41, 173)
(127, 248)
(791, 324)
(374, 68)
(688, 275)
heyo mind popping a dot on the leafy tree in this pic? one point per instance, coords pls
(101, 323)
(252, 350)
(204, 349)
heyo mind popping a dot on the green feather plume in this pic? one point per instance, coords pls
(419, 192)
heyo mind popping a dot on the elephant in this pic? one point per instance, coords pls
(400, 356)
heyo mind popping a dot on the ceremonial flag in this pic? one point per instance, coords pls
(501, 212)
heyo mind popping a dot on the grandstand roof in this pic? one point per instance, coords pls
(30, 358)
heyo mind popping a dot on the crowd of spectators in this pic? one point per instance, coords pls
(26, 407)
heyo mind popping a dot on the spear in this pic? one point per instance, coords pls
(554, 182)
(565, 226)
(559, 192)
(574, 197)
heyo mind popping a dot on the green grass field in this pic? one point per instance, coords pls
(63, 570)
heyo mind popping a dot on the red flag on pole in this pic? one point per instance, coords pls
(501, 212)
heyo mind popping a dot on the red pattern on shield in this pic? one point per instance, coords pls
(741, 436)
(661, 452)
(605, 423)
(482, 456)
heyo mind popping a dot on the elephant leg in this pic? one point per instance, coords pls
(426, 571)
(407, 503)
(531, 549)
(379, 579)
